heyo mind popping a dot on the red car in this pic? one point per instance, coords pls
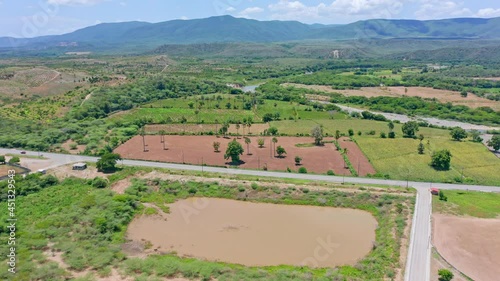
(23, 152)
(434, 191)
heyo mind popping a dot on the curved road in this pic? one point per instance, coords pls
(419, 253)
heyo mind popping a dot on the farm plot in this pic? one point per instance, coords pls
(199, 149)
(443, 96)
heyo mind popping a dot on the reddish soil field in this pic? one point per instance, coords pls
(192, 149)
(471, 245)
(357, 158)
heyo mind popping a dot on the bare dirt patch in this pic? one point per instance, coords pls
(67, 171)
(120, 186)
(256, 234)
(199, 149)
(443, 96)
(472, 245)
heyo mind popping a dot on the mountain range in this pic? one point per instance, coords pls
(230, 29)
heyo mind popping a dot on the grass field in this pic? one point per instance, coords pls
(476, 204)
(221, 108)
(398, 157)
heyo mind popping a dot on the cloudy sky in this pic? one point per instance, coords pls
(29, 18)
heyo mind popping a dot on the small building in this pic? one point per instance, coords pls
(80, 166)
(435, 191)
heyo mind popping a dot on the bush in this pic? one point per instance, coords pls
(302, 170)
(298, 159)
(445, 275)
(392, 135)
(383, 135)
(254, 186)
(441, 160)
(99, 182)
(442, 197)
(14, 160)
(2, 159)
(330, 173)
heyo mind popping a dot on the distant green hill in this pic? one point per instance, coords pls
(142, 35)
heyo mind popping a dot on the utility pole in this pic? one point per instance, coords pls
(201, 164)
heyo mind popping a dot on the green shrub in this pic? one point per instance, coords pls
(330, 173)
(445, 275)
(302, 170)
(99, 182)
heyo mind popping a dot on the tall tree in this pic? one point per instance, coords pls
(107, 162)
(280, 151)
(248, 141)
(274, 140)
(317, 134)
(458, 134)
(410, 129)
(495, 142)
(441, 160)
(233, 151)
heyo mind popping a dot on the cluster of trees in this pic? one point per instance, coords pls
(418, 106)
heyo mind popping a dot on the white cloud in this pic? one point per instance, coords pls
(488, 13)
(340, 10)
(430, 9)
(74, 2)
(230, 9)
(248, 12)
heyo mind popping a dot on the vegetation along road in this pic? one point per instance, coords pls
(418, 263)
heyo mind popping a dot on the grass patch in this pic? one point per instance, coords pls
(469, 203)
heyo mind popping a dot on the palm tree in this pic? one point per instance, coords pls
(275, 140)
(248, 141)
(345, 155)
(216, 127)
(238, 128)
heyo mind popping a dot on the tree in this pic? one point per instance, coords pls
(274, 140)
(442, 197)
(464, 94)
(317, 134)
(337, 135)
(107, 162)
(261, 143)
(14, 160)
(248, 141)
(445, 275)
(351, 132)
(280, 151)
(249, 123)
(216, 126)
(298, 159)
(238, 128)
(391, 126)
(233, 151)
(2, 159)
(476, 136)
(409, 129)
(273, 131)
(391, 135)
(224, 128)
(441, 160)
(421, 137)
(216, 146)
(458, 134)
(495, 142)
(421, 148)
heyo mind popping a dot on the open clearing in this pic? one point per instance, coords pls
(199, 149)
(256, 234)
(443, 96)
(4, 170)
(202, 128)
(470, 244)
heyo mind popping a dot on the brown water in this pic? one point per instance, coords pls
(257, 234)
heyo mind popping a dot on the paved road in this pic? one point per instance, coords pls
(418, 263)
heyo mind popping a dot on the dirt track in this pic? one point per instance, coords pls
(198, 149)
(470, 244)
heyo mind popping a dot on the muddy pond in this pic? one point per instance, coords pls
(259, 234)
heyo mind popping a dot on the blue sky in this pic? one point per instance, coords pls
(29, 18)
